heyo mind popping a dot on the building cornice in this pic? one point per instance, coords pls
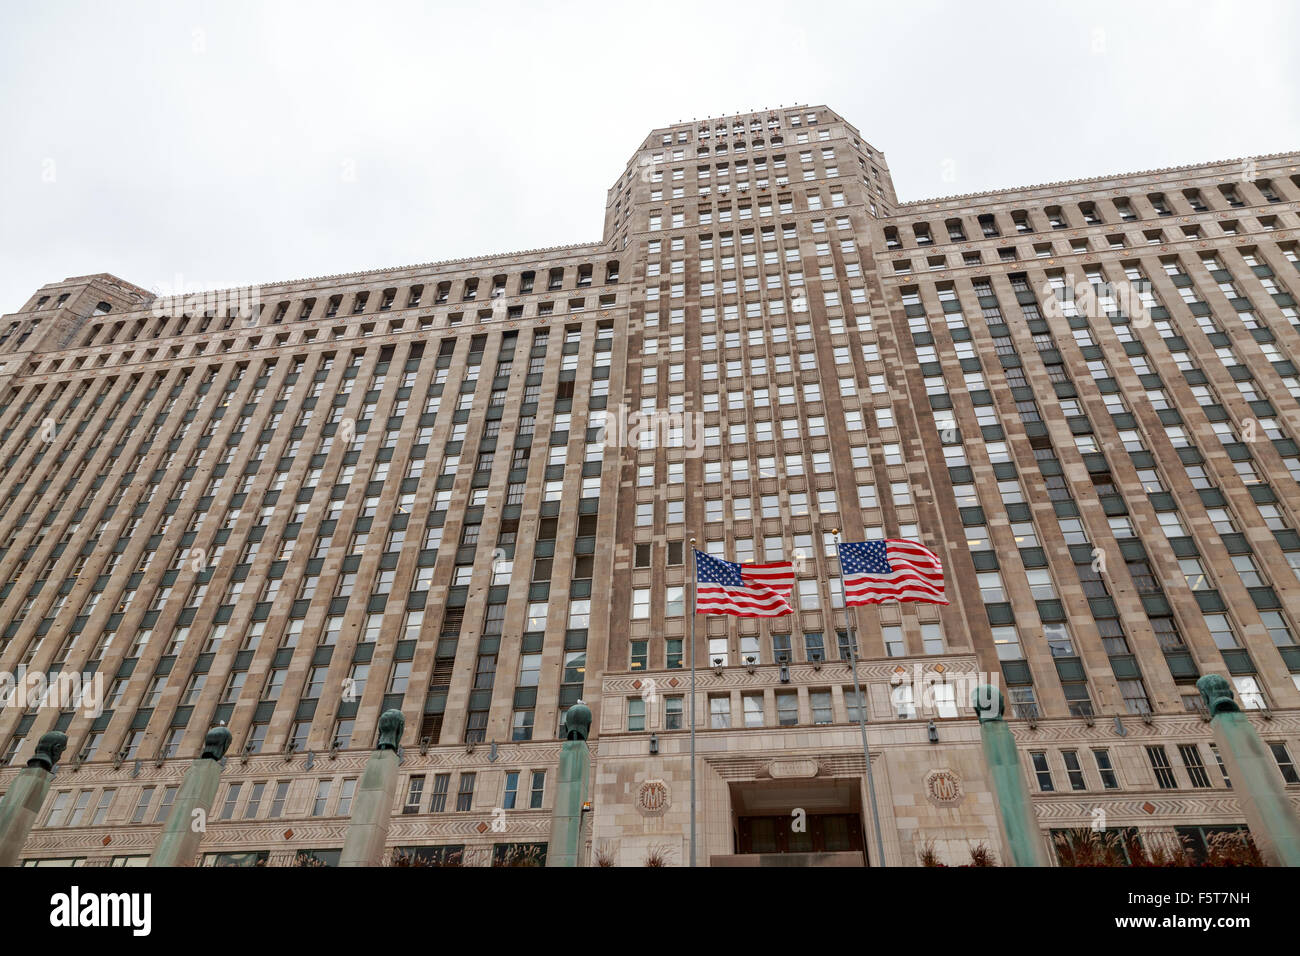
(1096, 181)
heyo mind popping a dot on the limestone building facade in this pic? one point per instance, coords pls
(468, 490)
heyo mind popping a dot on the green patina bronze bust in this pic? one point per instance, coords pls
(988, 703)
(577, 722)
(215, 743)
(391, 725)
(1217, 694)
(49, 749)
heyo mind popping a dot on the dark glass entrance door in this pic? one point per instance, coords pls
(825, 833)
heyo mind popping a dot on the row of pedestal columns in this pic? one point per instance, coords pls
(1272, 819)
(372, 806)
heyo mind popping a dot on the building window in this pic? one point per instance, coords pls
(323, 797)
(254, 800)
(903, 698)
(414, 795)
(1135, 696)
(521, 725)
(277, 800)
(58, 810)
(1073, 771)
(1104, 767)
(787, 708)
(719, 712)
(344, 808)
(232, 797)
(465, 796)
(476, 726)
(142, 805)
(1160, 764)
(636, 713)
(673, 713)
(853, 704)
(1042, 772)
(1192, 763)
(1223, 770)
(1252, 698)
(673, 653)
(441, 784)
(1284, 761)
(820, 701)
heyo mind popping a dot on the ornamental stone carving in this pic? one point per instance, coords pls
(943, 788)
(653, 798)
(793, 769)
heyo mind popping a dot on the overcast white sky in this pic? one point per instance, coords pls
(227, 143)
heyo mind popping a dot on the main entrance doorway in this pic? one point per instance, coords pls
(821, 833)
(803, 822)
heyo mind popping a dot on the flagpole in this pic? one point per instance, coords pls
(862, 703)
(691, 651)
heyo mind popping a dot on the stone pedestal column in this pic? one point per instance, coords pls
(23, 801)
(178, 844)
(1256, 782)
(565, 847)
(1020, 833)
(372, 806)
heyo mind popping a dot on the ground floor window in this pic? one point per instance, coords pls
(450, 854)
(1083, 846)
(1228, 845)
(1200, 842)
(317, 858)
(519, 854)
(249, 858)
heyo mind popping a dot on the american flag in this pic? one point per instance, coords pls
(745, 590)
(890, 570)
